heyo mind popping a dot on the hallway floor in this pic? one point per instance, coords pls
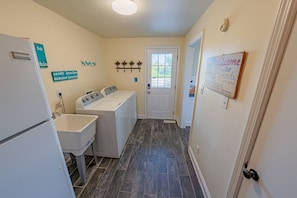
(155, 163)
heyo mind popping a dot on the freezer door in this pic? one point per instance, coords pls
(32, 165)
(23, 102)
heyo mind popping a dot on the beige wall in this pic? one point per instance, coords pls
(133, 49)
(217, 131)
(65, 43)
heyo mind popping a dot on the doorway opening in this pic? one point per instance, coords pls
(191, 80)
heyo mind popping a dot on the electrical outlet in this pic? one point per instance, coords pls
(58, 92)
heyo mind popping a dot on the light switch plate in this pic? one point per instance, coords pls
(225, 102)
(201, 89)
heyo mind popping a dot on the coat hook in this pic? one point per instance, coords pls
(131, 63)
(117, 65)
(124, 64)
(139, 63)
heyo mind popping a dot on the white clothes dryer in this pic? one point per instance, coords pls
(130, 97)
(112, 127)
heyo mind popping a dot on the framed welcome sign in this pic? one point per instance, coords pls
(223, 73)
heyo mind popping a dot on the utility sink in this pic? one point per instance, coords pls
(76, 132)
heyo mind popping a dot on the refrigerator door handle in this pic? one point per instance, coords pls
(21, 55)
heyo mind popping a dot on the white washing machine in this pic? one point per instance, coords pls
(130, 97)
(112, 127)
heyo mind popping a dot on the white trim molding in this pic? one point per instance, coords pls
(278, 42)
(177, 119)
(141, 116)
(199, 175)
(188, 62)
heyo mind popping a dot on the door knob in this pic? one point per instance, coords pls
(250, 173)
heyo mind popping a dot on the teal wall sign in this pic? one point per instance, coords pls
(64, 75)
(40, 55)
(88, 63)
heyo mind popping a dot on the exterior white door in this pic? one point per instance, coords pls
(160, 84)
(274, 154)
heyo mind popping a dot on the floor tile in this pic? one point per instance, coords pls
(154, 164)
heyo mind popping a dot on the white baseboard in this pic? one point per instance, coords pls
(170, 121)
(200, 177)
(141, 116)
(178, 122)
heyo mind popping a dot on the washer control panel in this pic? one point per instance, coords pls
(88, 99)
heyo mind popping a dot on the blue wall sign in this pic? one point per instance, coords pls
(40, 55)
(64, 75)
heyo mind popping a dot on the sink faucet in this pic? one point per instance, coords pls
(55, 115)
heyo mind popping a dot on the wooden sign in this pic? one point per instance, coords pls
(223, 72)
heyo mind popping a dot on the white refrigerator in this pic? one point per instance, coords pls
(31, 159)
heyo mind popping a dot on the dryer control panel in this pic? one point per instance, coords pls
(109, 90)
(88, 99)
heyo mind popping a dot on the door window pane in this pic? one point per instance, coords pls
(161, 70)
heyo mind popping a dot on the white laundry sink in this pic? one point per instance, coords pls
(76, 132)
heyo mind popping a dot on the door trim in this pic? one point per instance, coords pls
(176, 77)
(276, 48)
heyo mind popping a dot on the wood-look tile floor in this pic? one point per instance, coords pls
(154, 164)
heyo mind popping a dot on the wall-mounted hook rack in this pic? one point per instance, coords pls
(131, 67)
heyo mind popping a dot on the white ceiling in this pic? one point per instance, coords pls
(154, 18)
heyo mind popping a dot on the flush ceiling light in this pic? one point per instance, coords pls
(124, 7)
